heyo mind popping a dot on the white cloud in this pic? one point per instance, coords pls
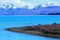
(51, 4)
(21, 4)
(17, 3)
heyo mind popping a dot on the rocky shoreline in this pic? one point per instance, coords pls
(48, 30)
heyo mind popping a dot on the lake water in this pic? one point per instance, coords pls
(19, 21)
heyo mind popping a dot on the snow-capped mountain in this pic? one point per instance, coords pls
(7, 6)
(43, 9)
(50, 4)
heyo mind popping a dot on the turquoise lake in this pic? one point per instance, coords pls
(19, 21)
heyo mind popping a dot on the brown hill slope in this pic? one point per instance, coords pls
(49, 30)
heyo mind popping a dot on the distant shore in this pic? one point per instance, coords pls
(48, 30)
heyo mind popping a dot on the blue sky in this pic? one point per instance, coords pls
(41, 1)
(30, 3)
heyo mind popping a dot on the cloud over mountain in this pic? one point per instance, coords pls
(17, 3)
(30, 5)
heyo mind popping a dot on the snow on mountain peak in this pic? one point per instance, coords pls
(29, 6)
(20, 4)
(50, 4)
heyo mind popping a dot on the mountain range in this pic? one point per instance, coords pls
(38, 10)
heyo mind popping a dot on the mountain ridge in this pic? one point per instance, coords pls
(38, 10)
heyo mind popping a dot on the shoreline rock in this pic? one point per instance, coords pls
(49, 30)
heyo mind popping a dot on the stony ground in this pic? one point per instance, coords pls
(49, 30)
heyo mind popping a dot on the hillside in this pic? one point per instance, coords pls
(49, 30)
